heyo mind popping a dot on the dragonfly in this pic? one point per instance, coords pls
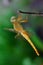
(17, 27)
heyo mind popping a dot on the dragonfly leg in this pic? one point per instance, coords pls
(19, 16)
(25, 20)
(9, 29)
(17, 35)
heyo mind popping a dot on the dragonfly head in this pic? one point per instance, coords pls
(13, 19)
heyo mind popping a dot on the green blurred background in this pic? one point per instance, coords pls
(18, 51)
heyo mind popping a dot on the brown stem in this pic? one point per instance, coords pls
(38, 13)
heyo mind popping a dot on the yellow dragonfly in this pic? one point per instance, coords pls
(19, 30)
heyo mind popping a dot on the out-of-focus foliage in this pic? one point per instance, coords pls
(18, 51)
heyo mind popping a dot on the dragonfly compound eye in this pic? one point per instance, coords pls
(13, 18)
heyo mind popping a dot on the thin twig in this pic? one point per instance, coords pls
(37, 13)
